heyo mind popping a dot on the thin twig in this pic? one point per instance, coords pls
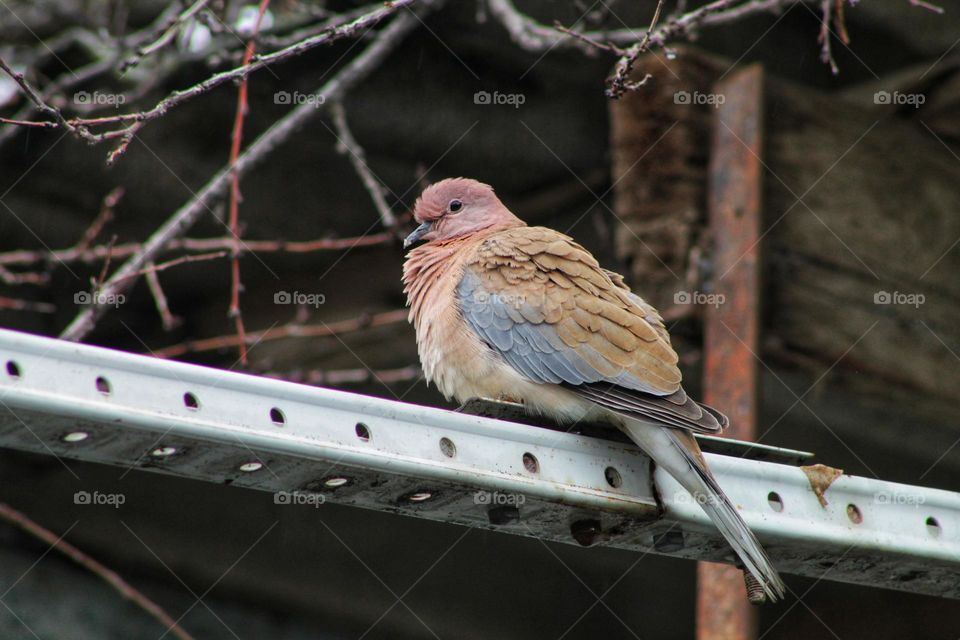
(234, 220)
(619, 82)
(840, 20)
(928, 6)
(609, 47)
(292, 330)
(348, 146)
(43, 124)
(14, 304)
(24, 257)
(98, 283)
(166, 36)
(9, 277)
(336, 377)
(35, 98)
(168, 320)
(183, 219)
(106, 574)
(826, 54)
(163, 266)
(64, 83)
(103, 218)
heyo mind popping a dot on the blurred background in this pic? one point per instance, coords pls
(859, 340)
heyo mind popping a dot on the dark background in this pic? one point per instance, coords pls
(336, 578)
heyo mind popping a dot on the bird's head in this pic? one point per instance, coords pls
(455, 208)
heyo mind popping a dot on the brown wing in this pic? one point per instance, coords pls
(543, 303)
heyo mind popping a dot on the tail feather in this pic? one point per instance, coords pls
(677, 452)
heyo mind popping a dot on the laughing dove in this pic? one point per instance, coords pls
(506, 310)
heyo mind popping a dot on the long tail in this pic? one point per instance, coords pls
(677, 451)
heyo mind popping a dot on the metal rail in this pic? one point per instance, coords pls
(305, 443)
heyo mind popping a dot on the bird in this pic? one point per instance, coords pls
(506, 310)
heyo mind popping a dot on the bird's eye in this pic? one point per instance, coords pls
(455, 205)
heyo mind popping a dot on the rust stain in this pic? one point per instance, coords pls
(821, 477)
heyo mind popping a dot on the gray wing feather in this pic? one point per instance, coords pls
(532, 347)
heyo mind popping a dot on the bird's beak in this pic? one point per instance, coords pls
(417, 235)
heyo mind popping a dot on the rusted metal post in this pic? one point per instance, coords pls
(732, 327)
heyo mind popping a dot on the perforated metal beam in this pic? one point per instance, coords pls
(305, 443)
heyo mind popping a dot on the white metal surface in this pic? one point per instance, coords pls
(98, 405)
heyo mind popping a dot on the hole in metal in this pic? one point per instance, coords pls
(76, 436)
(103, 386)
(447, 447)
(775, 501)
(530, 463)
(363, 432)
(250, 467)
(277, 416)
(420, 496)
(853, 512)
(163, 452)
(337, 481)
(613, 477)
(13, 369)
(933, 526)
(190, 401)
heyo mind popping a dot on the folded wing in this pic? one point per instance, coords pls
(543, 303)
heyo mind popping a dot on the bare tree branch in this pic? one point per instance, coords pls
(106, 574)
(167, 318)
(339, 377)
(348, 146)
(280, 131)
(826, 53)
(291, 330)
(14, 304)
(34, 97)
(533, 36)
(80, 126)
(620, 82)
(99, 252)
(103, 218)
(234, 220)
(169, 32)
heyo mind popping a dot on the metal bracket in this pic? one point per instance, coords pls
(300, 442)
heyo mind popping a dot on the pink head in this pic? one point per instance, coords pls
(457, 207)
